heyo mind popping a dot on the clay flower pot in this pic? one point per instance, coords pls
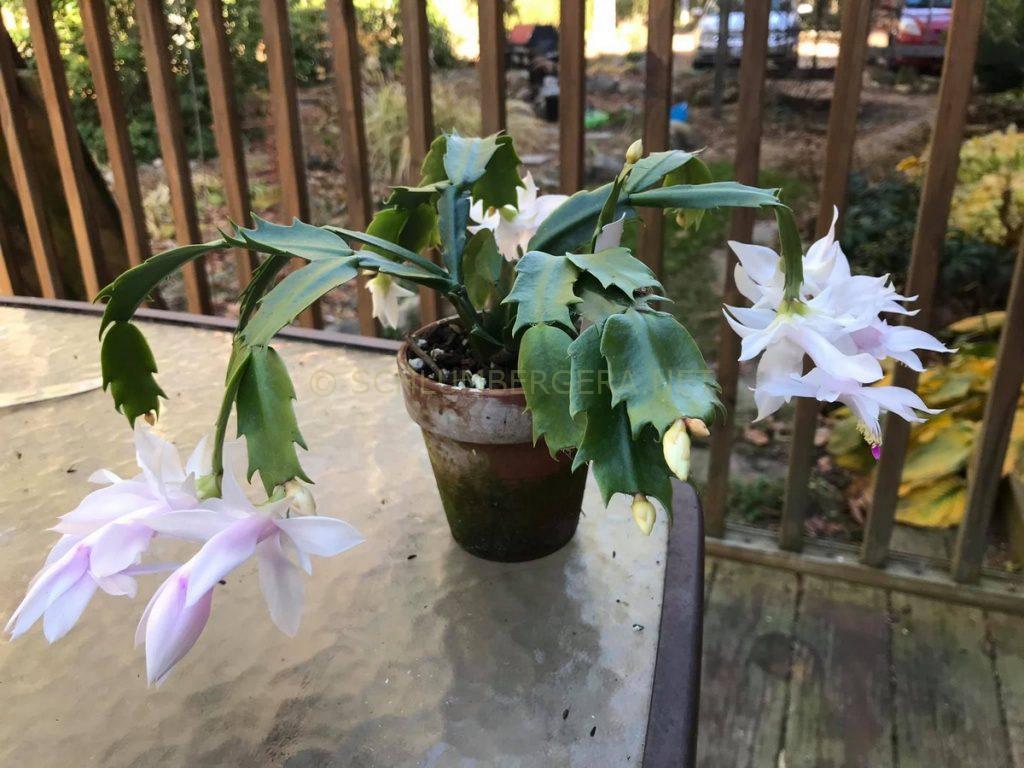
(505, 498)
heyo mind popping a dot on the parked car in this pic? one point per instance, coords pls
(783, 35)
(919, 40)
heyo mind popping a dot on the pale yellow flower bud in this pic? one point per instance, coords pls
(697, 428)
(635, 152)
(644, 513)
(301, 499)
(676, 448)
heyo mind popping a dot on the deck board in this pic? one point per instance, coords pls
(1007, 634)
(947, 704)
(748, 625)
(840, 705)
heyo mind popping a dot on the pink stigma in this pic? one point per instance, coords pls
(876, 451)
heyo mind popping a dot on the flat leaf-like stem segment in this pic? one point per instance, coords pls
(300, 289)
(617, 267)
(127, 364)
(481, 267)
(544, 370)
(297, 239)
(543, 290)
(718, 194)
(656, 369)
(573, 222)
(126, 293)
(266, 419)
(650, 170)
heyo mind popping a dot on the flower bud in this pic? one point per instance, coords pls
(301, 499)
(676, 448)
(635, 152)
(644, 513)
(207, 487)
(697, 428)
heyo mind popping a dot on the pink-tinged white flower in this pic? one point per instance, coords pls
(835, 320)
(867, 403)
(611, 235)
(385, 293)
(513, 227)
(178, 611)
(105, 537)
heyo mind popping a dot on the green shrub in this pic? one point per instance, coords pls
(1000, 64)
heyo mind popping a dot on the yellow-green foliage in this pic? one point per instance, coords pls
(989, 200)
(934, 487)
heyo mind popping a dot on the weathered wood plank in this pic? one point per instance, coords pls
(419, 108)
(492, 66)
(170, 130)
(748, 625)
(749, 117)
(227, 130)
(26, 181)
(284, 111)
(67, 146)
(990, 449)
(341, 20)
(932, 217)
(572, 87)
(946, 702)
(661, 18)
(110, 105)
(1006, 632)
(840, 702)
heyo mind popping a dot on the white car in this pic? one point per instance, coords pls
(783, 35)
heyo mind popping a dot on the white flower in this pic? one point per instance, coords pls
(835, 320)
(866, 403)
(386, 292)
(513, 228)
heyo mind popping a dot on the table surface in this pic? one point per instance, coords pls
(410, 653)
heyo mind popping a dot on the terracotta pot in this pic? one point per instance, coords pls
(505, 498)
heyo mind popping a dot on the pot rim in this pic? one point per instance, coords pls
(447, 389)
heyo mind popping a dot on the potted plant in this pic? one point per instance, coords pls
(556, 358)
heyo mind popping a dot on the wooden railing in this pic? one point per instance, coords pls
(931, 225)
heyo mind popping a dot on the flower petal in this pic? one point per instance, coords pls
(172, 627)
(322, 536)
(49, 585)
(61, 616)
(117, 546)
(281, 585)
(222, 554)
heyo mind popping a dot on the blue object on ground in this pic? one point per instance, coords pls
(679, 111)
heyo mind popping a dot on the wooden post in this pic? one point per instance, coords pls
(661, 22)
(987, 463)
(23, 169)
(842, 129)
(67, 146)
(167, 111)
(284, 110)
(749, 117)
(341, 20)
(113, 118)
(227, 131)
(492, 66)
(572, 85)
(416, 61)
(721, 56)
(932, 218)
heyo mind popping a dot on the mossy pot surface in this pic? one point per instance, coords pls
(505, 498)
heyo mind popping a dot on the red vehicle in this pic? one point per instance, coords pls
(920, 37)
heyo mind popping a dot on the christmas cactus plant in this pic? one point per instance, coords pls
(544, 296)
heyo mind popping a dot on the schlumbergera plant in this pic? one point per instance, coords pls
(541, 288)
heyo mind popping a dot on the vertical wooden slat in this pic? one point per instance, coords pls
(227, 131)
(419, 108)
(284, 111)
(749, 116)
(572, 86)
(114, 120)
(661, 17)
(492, 65)
(341, 20)
(842, 129)
(987, 463)
(26, 181)
(167, 111)
(932, 218)
(67, 145)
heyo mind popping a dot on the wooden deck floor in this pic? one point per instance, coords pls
(801, 672)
